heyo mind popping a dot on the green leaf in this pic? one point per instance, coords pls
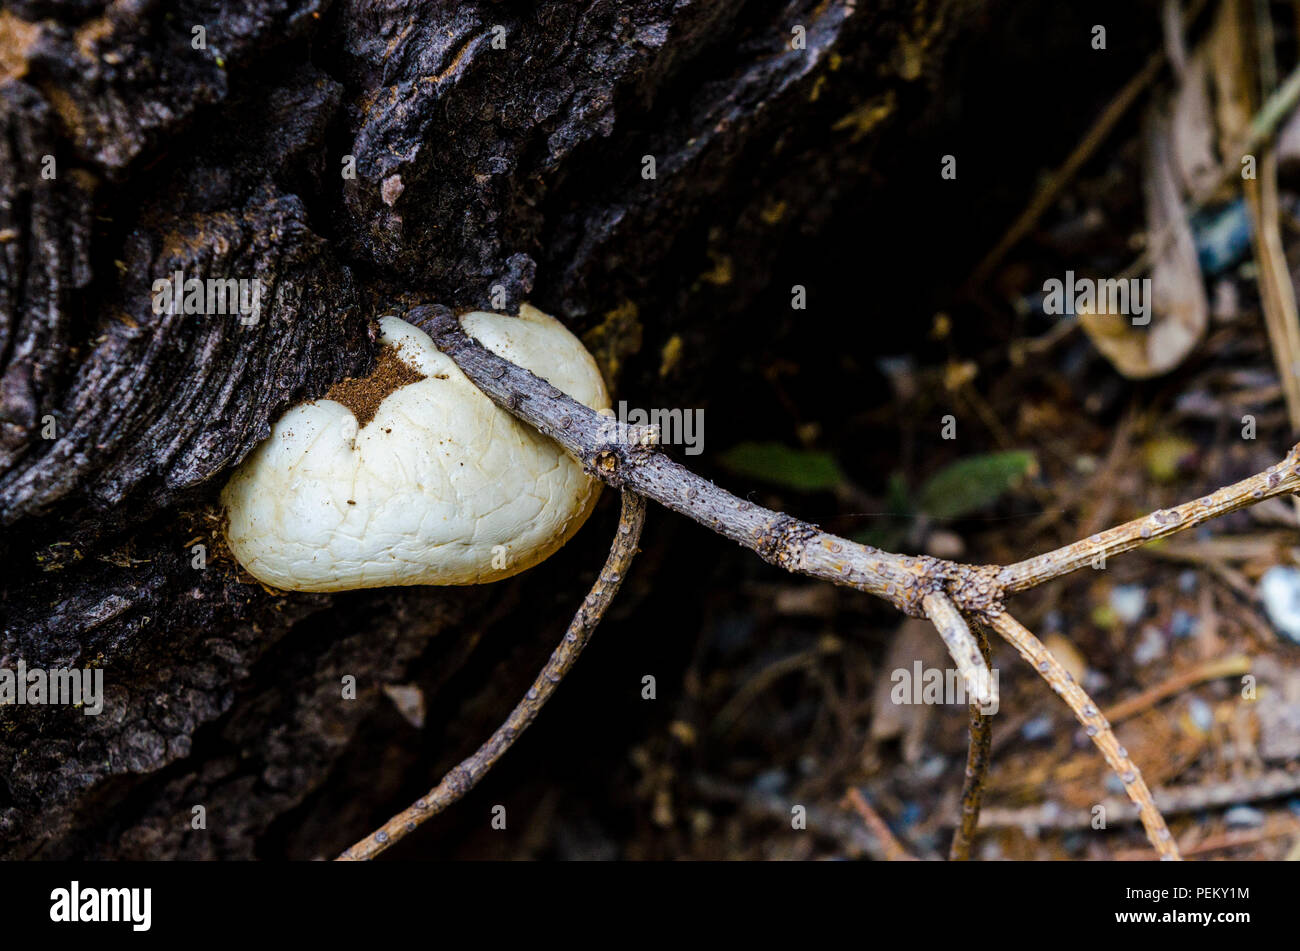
(898, 496)
(973, 483)
(802, 469)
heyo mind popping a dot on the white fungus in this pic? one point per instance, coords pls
(440, 487)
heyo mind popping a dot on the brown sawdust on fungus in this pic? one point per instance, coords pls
(363, 395)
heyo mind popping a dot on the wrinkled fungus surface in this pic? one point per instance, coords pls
(439, 486)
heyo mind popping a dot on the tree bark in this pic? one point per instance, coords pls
(500, 155)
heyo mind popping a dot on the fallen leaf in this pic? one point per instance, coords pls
(973, 483)
(1178, 309)
(803, 469)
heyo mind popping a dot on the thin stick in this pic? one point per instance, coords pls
(1176, 800)
(962, 648)
(798, 546)
(637, 464)
(1097, 133)
(830, 824)
(1234, 666)
(977, 768)
(731, 712)
(1046, 196)
(1280, 479)
(1095, 725)
(609, 454)
(1228, 840)
(894, 850)
(463, 777)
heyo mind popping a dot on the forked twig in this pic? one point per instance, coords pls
(1095, 725)
(641, 466)
(920, 586)
(977, 766)
(463, 777)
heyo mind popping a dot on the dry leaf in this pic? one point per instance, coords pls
(1178, 307)
(1193, 127)
(914, 641)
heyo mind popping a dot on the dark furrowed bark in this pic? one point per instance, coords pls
(477, 165)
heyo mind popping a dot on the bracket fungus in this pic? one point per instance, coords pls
(438, 486)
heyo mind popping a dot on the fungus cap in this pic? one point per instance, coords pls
(441, 486)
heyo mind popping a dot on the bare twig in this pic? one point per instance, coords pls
(779, 539)
(731, 712)
(463, 777)
(962, 647)
(1234, 666)
(895, 851)
(1095, 725)
(920, 586)
(1097, 133)
(1280, 479)
(1055, 183)
(977, 767)
(1229, 840)
(825, 822)
(1177, 800)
